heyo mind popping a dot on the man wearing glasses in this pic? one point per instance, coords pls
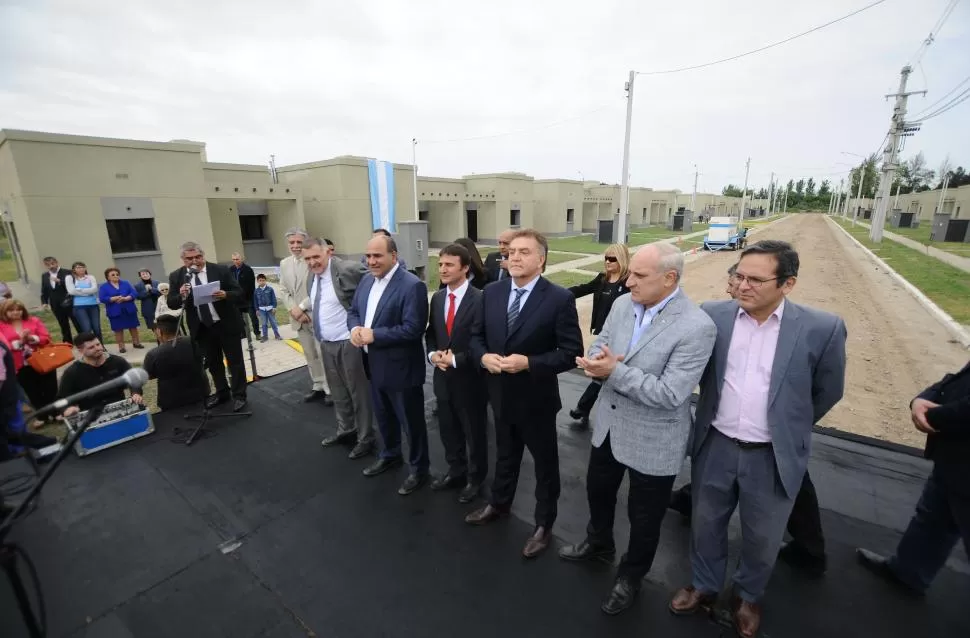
(777, 369)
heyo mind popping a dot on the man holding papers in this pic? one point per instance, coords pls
(210, 295)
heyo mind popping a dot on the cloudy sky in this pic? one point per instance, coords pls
(538, 86)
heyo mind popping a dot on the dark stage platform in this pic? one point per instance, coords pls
(261, 532)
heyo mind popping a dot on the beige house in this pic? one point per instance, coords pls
(956, 203)
(130, 204)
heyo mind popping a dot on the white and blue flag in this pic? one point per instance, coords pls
(381, 175)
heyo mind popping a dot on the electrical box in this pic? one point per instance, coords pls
(604, 231)
(412, 245)
(682, 220)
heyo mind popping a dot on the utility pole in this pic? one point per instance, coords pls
(771, 193)
(785, 209)
(693, 196)
(858, 194)
(946, 184)
(898, 128)
(896, 199)
(625, 181)
(414, 165)
(744, 193)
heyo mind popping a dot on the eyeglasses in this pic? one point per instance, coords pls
(738, 279)
(611, 259)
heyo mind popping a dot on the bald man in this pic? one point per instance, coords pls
(497, 263)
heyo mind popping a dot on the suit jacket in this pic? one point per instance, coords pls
(467, 377)
(492, 269)
(230, 321)
(949, 448)
(644, 405)
(807, 379)
(346, 276)
(396, 358)
(246, 278)
(54, 296)
(546, 331)
(293, 286)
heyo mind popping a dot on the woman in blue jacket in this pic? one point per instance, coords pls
(118, 297)
(146, 289)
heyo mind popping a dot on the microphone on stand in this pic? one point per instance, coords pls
(134, 378)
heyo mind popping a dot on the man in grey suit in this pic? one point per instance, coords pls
(649, 356)
(777, 369)
(330, 289)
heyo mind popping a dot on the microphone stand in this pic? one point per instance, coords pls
(36, 625)
(206, 414)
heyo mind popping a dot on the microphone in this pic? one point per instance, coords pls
(134, 378)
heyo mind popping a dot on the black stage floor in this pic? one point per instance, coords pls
(261, 532)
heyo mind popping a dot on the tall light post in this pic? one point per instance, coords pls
(862, 177)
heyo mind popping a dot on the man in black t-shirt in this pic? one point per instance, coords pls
(175, 365)
(95, 367)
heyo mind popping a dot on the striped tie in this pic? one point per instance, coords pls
(514, 310)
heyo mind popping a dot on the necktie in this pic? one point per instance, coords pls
(316, 309)
(204, 313)
(514, 310)
(450, 319)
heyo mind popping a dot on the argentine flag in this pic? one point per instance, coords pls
(381, 176)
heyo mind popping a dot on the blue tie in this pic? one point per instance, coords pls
(514, 310)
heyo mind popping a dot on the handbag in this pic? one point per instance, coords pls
(67, 302)
(51, 357)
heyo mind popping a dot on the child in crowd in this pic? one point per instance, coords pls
(264, 299)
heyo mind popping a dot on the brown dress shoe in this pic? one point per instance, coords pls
(537, 543)
(688, 600)
(485, 515)
(747, 618)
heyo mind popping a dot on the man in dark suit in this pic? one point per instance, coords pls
(942, 412)
(215, 326)
(53, 293)
(387, 318)
(459, 382)
(496, 263)
(245, 276)
(530, 334)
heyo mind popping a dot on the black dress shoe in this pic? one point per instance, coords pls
(412, 483)
(382, 465)
(622, 596)
(337, 439)
(470, 492)
(216, 399)
(314, 395)
(680, 501)
(587, 551)
(239, 404)
(879, 565)
(800, 558)
(447, 482)
(360, 451)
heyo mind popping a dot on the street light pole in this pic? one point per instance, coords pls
(625, 181)
(414, 165)
(744, 193)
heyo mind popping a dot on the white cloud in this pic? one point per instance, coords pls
(309, 80)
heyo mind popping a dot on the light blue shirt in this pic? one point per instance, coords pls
(525, 296)
(643, 317)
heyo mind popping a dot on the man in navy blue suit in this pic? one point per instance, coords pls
(530, 334)
(387, 318)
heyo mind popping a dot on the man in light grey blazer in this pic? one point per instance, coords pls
(777, 369)
(649, 356)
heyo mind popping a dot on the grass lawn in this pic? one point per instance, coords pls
(922, 235)
(566, 279)
(948, 287)
(587, 244)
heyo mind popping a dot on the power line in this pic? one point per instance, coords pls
(921, 51)
(520, 131)
(951, 92)
(959, 99)
(766, 47)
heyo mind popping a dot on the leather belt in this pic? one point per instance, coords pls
(749, 445)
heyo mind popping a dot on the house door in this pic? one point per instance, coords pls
(570, 218)
(471, 224)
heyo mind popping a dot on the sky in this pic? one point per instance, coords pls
(535, 87)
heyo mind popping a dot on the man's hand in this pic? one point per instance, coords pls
(299, 315)
(361, 336)
(446, 359)
(185, 290)
(219, 295)
(514, 363)
(492, 363)
(920, 406)
(601, 365)
(71, 411)
(137, 398)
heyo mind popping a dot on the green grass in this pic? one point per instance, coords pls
(586, 243)
(948, 287)
(566, 279)
(922, 235)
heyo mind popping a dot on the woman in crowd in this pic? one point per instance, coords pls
(25, 335)
(605, 287)
(84, 290)
(147, 290)
(476, 273)
(118, 297)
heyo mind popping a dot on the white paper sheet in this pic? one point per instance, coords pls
(203, 294)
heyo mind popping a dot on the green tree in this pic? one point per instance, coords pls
(731, 191)
(761, 194)
(810, 188)
(800, 187)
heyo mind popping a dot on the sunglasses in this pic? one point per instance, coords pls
(611, 259)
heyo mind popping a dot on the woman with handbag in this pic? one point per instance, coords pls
(83, 289)
(118, 297)
(27, 336)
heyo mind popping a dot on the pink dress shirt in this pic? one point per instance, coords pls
(742, 412)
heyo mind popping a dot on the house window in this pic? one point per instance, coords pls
(569, 215)
(515, 218)
(252, 227)
(131, 235)
(422, 215)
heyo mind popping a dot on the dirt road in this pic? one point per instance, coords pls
(895, 348)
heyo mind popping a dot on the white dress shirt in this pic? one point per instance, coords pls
(331, 316)
(525, 296)
(203, 277)
(374, 298)
(459, 294)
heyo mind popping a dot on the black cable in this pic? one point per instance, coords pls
(38, 593)
(26, 481)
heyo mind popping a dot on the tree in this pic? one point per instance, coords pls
(810, 188)
(731, 191)
(800, 186)
(762, 194)
(913, 175)
(825, 190)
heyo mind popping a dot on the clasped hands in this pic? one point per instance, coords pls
(920, 406)
(361, 336)
(511, 364)
(443, 359)
(601, 364)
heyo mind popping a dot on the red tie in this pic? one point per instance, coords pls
(450, 319)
